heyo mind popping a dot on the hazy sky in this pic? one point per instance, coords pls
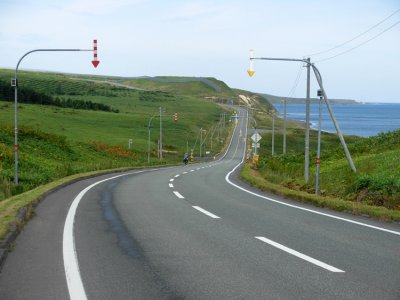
(212, 39)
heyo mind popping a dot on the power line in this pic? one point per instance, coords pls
(359, 45)
(356, 37)
(296, 82)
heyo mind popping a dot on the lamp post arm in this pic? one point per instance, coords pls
(46, 50)
(151, 119)
(282, 59)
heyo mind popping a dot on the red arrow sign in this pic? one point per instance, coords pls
(95, 62)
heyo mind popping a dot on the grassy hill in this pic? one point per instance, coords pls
(56, 141)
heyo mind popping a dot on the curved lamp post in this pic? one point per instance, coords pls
(14, 83)
(148, 143)
(319, 80)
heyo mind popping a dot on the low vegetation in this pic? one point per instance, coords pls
(375, 184)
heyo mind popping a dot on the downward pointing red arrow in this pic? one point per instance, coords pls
(95, 62)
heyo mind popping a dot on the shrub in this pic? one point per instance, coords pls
(378, 190)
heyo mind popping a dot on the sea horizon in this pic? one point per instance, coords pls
(362, 119)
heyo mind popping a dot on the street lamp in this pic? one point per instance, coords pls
(14, 83)
(201, 139)
(148, 142)
(161, 111)
(319, 80)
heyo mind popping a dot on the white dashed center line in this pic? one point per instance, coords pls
(211, 215)
(178, 195)
(171, 185)
(300, 255)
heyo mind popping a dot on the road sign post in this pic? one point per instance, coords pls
(256, 137)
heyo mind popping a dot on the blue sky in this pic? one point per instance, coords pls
(212, 38)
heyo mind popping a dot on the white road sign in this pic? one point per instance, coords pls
(256, 137)
(255, 145)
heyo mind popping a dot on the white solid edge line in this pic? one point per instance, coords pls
(310, 210)
(211, 215)
(73, 277)
(300, 255)
(178, 195)
(299, 207)
(171, 185)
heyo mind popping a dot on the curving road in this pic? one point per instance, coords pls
(196, 232)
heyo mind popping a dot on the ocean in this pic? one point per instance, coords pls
(354, 119)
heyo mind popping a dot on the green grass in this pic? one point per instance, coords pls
(56, 142)
(381, 213)
(376, 182)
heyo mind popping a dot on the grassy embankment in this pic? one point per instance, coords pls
(374, 190)
(56, 142)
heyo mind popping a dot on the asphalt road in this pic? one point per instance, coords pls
(197, 232)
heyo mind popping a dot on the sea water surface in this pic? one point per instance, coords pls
(354, 119)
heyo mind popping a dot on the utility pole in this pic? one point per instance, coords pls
(201, 140)
(187, 142)
(160, 148)
(273, 133)
(284, 125)
(318, 160)
(307, 138)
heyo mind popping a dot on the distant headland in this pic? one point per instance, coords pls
(277, 99)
